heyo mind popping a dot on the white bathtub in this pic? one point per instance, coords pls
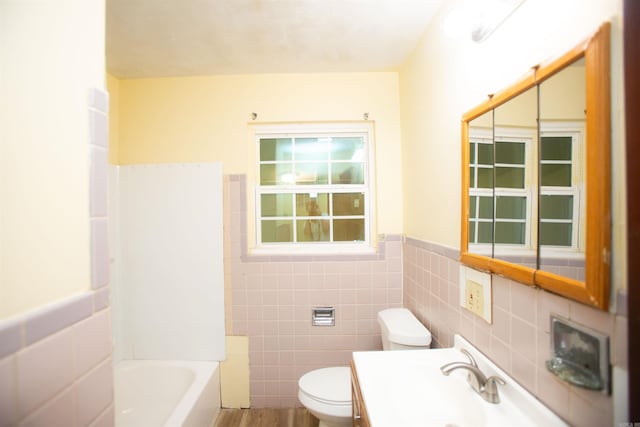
(153, 393)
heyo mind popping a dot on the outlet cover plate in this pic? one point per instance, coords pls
(475, 292)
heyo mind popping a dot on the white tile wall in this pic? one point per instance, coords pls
(44, 369)
(94, 334)
(98, 182)
(62, 379)
(106, 419)
(99, 253)
(55, 412)
(91, 395)
(43, 322)
(8, 397)
(10, 337)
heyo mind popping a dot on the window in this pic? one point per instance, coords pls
(314, 187)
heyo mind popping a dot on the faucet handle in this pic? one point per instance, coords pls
(472, 361)
(490, 391)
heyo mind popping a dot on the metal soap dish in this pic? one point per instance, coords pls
(579, 355)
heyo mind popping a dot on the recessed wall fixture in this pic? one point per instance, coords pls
(254, 116)
(489, 15)
(365, 116)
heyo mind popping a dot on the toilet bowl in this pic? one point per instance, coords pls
(326, 392)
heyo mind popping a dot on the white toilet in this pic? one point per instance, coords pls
(326, 392)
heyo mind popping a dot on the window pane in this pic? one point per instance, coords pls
(277, 231)
(485, 154)
(472, 232)
(348, 230)
(312, 173)
(313, 230)
(472, 206)
(510, 232)
(510, 153)
(556, 207)
(554, 234)
(347, 149)
(272, 149)
(312, 148)
(508, 207)
(312, 204)
(555, 175)
(276, 174)
(555, 148)
(509, 177)
(348, 204)
(485, 178)
(485, 232)
(347, 173)
(276, 205)
(486, 208)
(472, 177)
(472, 153)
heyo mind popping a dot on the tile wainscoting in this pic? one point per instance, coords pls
(518, 340)
(55, 364)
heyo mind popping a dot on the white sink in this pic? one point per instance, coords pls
(407, 388)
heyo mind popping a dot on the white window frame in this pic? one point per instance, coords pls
(500, 134)
(528, 138)
(480, 136)
(364, 129)
(575, 130)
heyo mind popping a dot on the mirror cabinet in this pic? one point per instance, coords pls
(536, 177)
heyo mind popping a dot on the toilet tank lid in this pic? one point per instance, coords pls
(402, 327)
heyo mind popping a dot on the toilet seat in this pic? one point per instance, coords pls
(331, 386)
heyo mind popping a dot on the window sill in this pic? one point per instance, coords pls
(312, 250)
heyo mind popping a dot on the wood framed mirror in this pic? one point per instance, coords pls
(536, 177)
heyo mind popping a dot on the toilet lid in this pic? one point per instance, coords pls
(330, 385)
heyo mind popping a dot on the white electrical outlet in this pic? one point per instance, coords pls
(475, 292)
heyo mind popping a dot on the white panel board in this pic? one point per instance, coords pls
(172, 261)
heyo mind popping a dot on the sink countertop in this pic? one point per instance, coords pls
(406, 388)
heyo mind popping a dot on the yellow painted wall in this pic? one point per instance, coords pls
(52, 53)
(113, 87)
(447, 76)
(196, 119)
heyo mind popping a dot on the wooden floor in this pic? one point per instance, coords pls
(266, 417)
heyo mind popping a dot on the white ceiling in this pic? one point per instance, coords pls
(159, 38)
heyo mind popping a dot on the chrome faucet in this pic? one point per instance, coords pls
(485, 387)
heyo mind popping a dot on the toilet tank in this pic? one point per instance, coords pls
(401, 330)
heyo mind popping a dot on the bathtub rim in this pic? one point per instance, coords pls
(205, 372)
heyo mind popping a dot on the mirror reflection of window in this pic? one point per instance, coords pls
(515, 135)
(480, 231)
(562, 180)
